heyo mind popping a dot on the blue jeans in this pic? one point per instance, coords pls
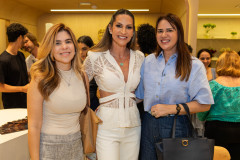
(155, 129)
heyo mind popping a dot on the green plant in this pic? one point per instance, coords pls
(209, 26)
(233, 33)
(225, 49)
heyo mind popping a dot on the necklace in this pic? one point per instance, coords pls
(121, 63)
(64, 75)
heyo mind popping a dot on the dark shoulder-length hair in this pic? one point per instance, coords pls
(106, 42)
(204, 50)
(86, 40)
(184, 60)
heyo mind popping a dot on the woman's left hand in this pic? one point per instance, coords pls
(160, 110)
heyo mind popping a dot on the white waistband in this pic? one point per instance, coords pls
(117, 96)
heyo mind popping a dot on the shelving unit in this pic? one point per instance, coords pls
(218, 43)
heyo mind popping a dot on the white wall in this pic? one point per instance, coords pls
(223, 27)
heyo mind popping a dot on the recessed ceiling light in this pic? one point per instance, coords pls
(94, 7)
(85, 3)
(96, 10)
(208, 15)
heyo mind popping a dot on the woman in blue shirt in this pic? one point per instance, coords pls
(223, 119)
(169, 77)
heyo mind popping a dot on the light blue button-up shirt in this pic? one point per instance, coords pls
(159, 84)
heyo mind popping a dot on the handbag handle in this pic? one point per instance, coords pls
(186, 108)
(86, 84)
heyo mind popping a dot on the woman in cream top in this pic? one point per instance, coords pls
(61, 111)
(115, 66)
(56, 97)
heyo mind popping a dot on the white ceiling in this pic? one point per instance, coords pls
(155, 6)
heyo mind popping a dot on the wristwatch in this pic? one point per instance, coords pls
(178, 108)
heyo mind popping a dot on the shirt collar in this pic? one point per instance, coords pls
(174, 56)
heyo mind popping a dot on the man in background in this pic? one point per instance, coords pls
(31, 45)
(13, 70)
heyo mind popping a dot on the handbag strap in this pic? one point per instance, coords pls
(174, 125)
(186, 108)
(85, 80)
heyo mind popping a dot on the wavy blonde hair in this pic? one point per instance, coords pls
(228, 64)
(45, 69)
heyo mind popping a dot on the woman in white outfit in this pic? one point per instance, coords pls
(115, 66)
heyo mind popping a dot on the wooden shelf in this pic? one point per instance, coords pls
(218, 39)
(218, 44)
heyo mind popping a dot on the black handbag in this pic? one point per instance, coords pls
(190, 148)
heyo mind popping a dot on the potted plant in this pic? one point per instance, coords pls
(234, 34)
(208, 27)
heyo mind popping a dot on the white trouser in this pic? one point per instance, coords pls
(118, 143)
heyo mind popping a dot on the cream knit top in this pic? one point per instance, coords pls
(61, 112)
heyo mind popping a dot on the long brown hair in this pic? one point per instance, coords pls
(106, 42)
(184, 60)
(45, 68)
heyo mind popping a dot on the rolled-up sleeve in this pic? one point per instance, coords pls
(199, 89)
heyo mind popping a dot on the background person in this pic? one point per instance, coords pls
(147, 43)
(13, 70)
(146, 38)
(223, 119)
(206, 57)
(115, 66)
(169, 77)
(85, 43)
(31, 45)
(56, 97)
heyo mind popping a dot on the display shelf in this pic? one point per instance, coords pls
(218, 44)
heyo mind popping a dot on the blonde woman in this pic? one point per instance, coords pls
(115, 66)
(56, 97)
(223, 119)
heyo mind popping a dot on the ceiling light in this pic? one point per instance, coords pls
(85, 3)
(96, 10)
(208, 15)
(94, 7)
